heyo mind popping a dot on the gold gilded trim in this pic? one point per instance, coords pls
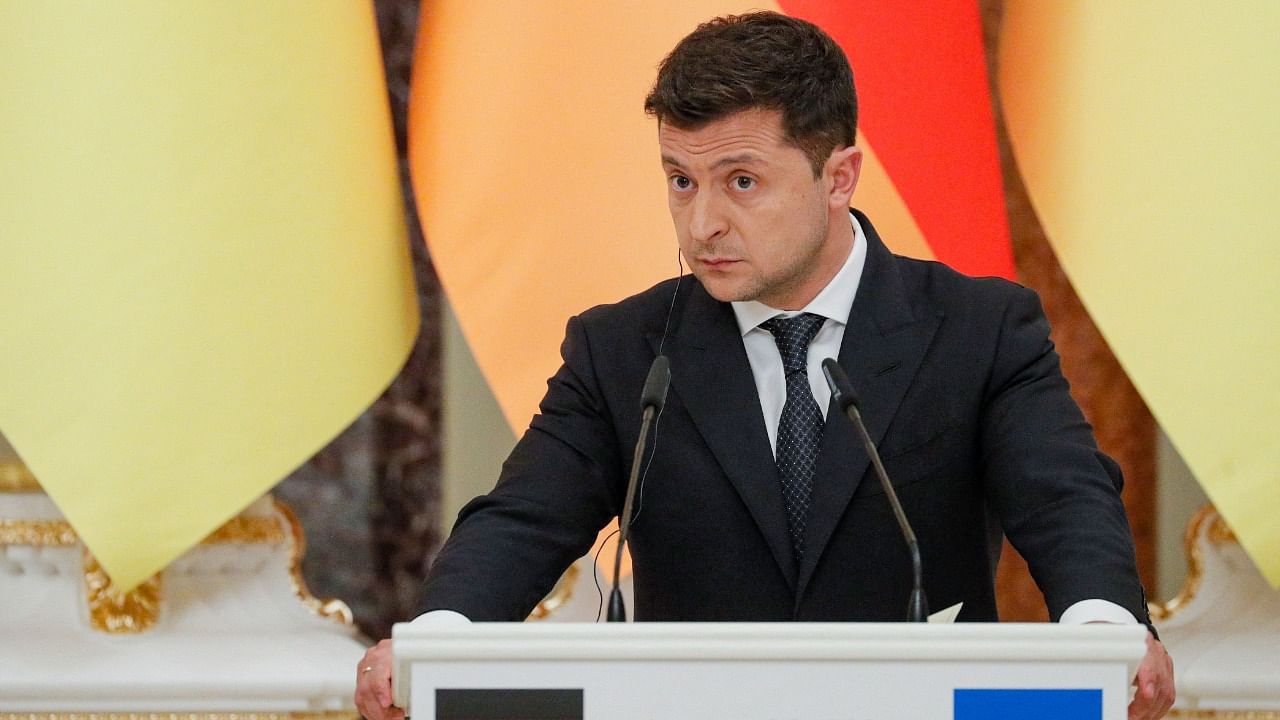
(1220, 533)
(115, 612)
(16, 478)
(238, 715)
(247, 530)
(1217, 533)
(44, 533)
(332, 609)
(559, 595)
(59, 533)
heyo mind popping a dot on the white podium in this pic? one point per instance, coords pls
(766, 671)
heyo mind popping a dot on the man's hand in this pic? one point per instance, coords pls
(1154, 682)
(373, 684)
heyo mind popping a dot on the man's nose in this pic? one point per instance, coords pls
(707, 217)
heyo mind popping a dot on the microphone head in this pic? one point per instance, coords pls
(656, 383)
(841, 389)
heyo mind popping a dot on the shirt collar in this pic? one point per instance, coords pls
(833, 302)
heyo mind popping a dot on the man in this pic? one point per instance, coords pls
(758, 502)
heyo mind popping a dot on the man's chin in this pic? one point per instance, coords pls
(727, 291)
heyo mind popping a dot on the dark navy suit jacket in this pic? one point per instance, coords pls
(961, 389)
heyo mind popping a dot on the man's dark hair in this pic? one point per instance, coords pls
(761, 60)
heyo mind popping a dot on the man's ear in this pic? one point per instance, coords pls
(842, 170)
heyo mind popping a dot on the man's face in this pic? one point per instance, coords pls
(751, 219)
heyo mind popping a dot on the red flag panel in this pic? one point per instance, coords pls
(925, 104)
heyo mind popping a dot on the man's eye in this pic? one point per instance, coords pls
(742, 182)
(680, 182)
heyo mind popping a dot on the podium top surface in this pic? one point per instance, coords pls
(768, 641)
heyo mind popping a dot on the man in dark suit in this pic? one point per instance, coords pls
(758, 503)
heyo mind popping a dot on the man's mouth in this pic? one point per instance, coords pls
(717, 262)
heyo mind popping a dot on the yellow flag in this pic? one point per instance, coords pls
(1147, 136)
(205, 267)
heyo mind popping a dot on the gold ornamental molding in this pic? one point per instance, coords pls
(300, 715)
(16, 478)
(248, 530)
(59, 533)
(559, 595)
(331, 609)
(42, 533)
(114, 612)
(1217, 533)
(136, 611)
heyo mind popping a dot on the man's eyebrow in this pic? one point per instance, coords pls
(739, 159)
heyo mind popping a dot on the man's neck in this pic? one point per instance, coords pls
(831, 258)
(833, 300)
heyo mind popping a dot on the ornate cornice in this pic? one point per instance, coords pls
(43, 533)
(59, 533)
(115, 612)
(331, 609)
(248, 530)
(1217, 533)
(559, 595)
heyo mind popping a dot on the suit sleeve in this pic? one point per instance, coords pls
(559, 486)
(1057, 495)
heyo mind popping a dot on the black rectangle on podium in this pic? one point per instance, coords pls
(508, 704)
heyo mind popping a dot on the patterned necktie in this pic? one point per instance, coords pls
(800, 426)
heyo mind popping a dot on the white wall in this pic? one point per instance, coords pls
(476, 436)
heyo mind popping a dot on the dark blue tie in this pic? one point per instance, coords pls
(800, 426)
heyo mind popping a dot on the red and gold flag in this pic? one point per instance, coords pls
(537, 172)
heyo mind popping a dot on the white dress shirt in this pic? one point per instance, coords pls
(834, 303)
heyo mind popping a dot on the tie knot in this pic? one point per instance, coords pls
(793, 336)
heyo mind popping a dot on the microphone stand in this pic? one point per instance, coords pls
(842, 391)
(652, 398)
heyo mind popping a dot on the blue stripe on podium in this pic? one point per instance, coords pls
(974, 704)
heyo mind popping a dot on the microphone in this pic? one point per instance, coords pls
(847, 400)
(652, 398)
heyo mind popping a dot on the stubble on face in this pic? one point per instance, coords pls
(784, 286)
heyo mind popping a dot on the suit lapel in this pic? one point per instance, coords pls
(711, 374)
(883, 345)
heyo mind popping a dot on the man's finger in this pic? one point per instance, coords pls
(380, 681)
(366, 707)
(382, 686)
(1154, 693)
(1140, 709)
(373, 684)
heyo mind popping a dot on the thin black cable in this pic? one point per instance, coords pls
(595, 575)
(671, 308)
(653, 449)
